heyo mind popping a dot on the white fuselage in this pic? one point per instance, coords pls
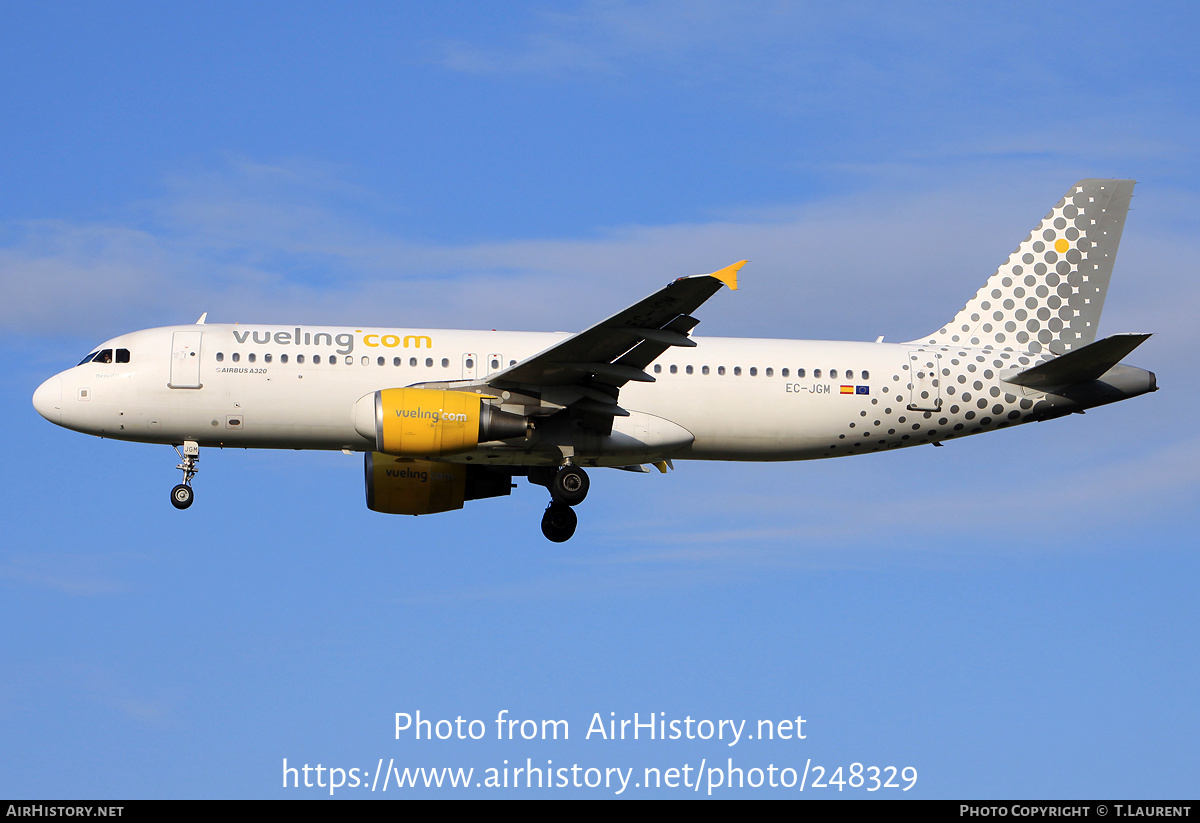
(738, 399)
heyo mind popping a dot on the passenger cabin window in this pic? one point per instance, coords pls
(235, 357)
(283, 358)
(220, 357)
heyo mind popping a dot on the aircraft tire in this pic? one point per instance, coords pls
(570, 486)
(559, 522)
(182, 496)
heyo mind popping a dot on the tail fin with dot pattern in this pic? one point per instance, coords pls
(1049, 293)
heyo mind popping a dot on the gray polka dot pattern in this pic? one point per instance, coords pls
(945, 394)
(1043, 302)
(1049, 293)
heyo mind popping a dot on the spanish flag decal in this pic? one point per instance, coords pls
(847, 390)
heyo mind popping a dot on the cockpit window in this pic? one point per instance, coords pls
(106, 356)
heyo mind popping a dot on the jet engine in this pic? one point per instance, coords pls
(430, 422)
(402, 485)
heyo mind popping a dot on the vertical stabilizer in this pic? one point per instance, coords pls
(1049, 293)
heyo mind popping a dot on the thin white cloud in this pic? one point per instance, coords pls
(912, 499)
(260, 243)
(69, 574)
(791, 52)
(870, 84)
(603, 38)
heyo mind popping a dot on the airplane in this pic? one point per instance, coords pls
(445, 417)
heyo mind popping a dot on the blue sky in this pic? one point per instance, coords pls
(1013, 615)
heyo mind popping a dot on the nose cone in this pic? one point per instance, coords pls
(48, 400)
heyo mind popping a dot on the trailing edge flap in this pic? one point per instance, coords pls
(616, 350)
(661, 465)
(1081, 365)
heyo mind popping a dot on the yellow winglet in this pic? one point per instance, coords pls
(728, 275)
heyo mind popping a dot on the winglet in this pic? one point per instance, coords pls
(728, 275)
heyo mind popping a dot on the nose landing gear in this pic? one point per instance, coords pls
(182, 495)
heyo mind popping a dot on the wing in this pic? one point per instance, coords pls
(586, 371)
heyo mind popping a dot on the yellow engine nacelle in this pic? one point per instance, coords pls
(402, 485)
(430, 422)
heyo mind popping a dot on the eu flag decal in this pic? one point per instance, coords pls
(862, 389)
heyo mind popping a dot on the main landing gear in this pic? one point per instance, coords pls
(182, 495)
(568, 487)
(559, 522)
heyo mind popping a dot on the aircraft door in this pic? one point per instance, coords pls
(470, 366)
(924, 383)
(185, 360)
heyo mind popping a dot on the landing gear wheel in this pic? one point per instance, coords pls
(559, 522)
(181, 496)
(570, 486)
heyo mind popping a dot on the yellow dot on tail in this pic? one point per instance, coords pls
(1061, 245)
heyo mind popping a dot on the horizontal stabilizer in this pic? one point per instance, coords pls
(1080, 365)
